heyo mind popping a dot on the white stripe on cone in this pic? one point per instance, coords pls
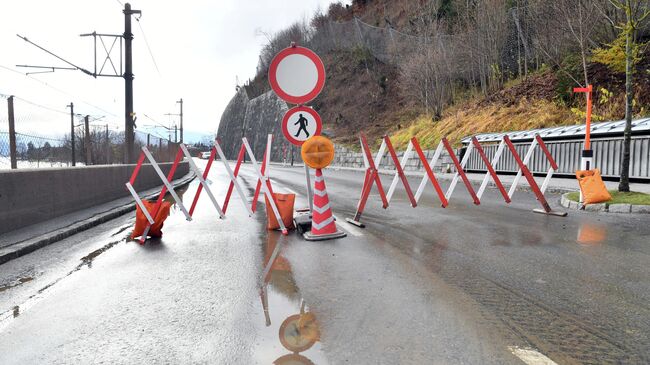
(322, 224)
(322, 209)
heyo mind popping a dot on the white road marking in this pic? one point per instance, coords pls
(530, 356)
(346, 227)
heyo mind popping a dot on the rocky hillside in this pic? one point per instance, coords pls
(436, 68)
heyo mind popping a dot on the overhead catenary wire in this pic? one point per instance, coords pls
(146, 42)
(58, 90)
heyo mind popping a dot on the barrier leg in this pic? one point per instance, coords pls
(491, 171)
(373, 166)
(460, 172)
(166, 186)
(551, 161)
(264, 186)
(399, 172)
(531, 181)
(527, 158)
(233, 176)
(136, 197)
(205, 176)
(202, 181)
(371, 177)
(365, 192)
(265, 163)
(493, 164)
(429, 172)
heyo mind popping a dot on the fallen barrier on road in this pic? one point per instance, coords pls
(371, 177)
(263, 183)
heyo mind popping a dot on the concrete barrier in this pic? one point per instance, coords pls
(35, 195)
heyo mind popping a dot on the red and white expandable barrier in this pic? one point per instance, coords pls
(263, 183)
(166, 180)
(372, 173)
(371, 178)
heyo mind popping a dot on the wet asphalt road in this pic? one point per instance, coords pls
(462, 285)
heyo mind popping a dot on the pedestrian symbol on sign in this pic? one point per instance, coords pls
(300, 123)
(303, 122)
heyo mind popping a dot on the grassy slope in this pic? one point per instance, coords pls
(466, 120)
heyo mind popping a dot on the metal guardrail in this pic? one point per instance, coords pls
(607, 157)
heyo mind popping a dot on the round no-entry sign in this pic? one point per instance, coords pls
(300, 123)
(297, 75)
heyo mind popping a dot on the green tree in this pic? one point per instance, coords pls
(635, 14)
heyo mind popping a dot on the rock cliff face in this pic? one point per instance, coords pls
(231, 125)
(255, 119)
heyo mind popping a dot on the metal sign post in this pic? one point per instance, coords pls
(587, 158)
(297, 76)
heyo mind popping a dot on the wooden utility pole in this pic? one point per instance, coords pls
(71, 106)
(108, 147)
(87, 155)
(12, 133)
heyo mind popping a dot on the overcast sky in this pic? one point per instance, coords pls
(200, 47)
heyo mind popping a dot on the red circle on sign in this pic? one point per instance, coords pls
(283, 94)
(286, 120)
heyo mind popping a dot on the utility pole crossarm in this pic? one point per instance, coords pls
(59, 57)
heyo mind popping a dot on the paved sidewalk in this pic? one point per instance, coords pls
(28, 239)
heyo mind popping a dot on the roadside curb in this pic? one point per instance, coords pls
(22, 248)
(604, 207)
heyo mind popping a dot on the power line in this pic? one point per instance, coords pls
(146, 42)
(42, 106)
(57, 89)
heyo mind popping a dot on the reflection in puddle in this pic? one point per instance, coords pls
(291, 333)
(592, 234)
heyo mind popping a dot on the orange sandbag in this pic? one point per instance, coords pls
(284, 202)
(141, 221)
(592, 186)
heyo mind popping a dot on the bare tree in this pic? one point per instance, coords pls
(636, 11)
(579, 19)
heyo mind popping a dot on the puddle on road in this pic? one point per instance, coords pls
(8, 316)
(288, 332)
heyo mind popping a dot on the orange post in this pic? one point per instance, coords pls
(589, 91)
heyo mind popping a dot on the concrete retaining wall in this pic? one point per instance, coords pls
(36, 195)
(344, 157)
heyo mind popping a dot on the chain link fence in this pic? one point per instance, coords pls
(162, 149)
(49, 137)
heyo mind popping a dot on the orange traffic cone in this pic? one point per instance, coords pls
(323, 226)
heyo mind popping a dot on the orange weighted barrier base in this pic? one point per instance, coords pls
(141, 222)
(592, 186)
(285, 203)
